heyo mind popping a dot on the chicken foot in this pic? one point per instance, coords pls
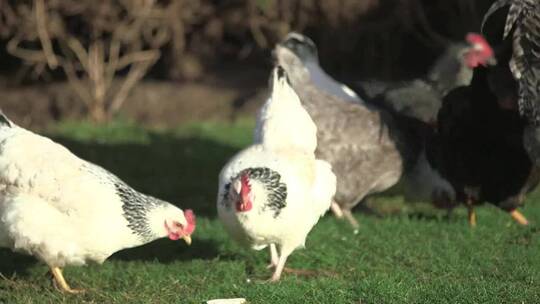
(274, 260)
(471, 215)
(284, 254)
(470, 207)
(518, 217)
(61, 284)
(350, 218)
(341, 213)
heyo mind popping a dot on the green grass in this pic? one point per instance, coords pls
(407, 254)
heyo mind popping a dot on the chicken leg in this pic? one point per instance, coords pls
(518, 217)
(336, 209)
(284, 254)
(471, 212)
(273, 256)
(61, 284)
(282, 269)
(342, 212)
(350, 218)
(472, 215)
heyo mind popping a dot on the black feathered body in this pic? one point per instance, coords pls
(478, 147)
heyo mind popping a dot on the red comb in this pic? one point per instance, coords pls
(245, 179)
(190, 219)
(246, 187)
(475, 38)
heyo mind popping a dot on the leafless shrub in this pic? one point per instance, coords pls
(91, 42)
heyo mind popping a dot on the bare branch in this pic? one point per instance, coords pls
(41, 23)
(77, 48)
(96, 73)
(25, 54)
(136, 72)
(112, 66)
(77, 85)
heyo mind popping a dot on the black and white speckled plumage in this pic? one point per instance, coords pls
(522, 29)
(135, 205)
(276, 190)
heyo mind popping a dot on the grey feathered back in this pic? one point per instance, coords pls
(358, 141)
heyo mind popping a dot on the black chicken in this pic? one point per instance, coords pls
(415, 105)
(507, 100)
(479, 148)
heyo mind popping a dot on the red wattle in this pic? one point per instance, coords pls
(190, 219)
(243, 205)
(174, 236)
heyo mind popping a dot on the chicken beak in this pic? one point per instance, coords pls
(187, 239)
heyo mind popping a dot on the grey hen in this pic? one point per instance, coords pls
(359, 141)
(421, 98)
(306, 51)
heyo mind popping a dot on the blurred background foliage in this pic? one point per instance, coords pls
(103, 49)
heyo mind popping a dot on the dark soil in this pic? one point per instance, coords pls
(223, 94)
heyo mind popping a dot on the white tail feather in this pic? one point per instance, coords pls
(282, 122)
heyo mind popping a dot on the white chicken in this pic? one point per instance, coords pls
(66, 211)
(273, 192)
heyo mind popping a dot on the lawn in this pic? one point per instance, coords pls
(403, 253)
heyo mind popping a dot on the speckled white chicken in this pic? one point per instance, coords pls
(273, 192)
(66, 211)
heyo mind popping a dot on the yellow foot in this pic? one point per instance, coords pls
(472, 215)
(518, 217)
(61, 284)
